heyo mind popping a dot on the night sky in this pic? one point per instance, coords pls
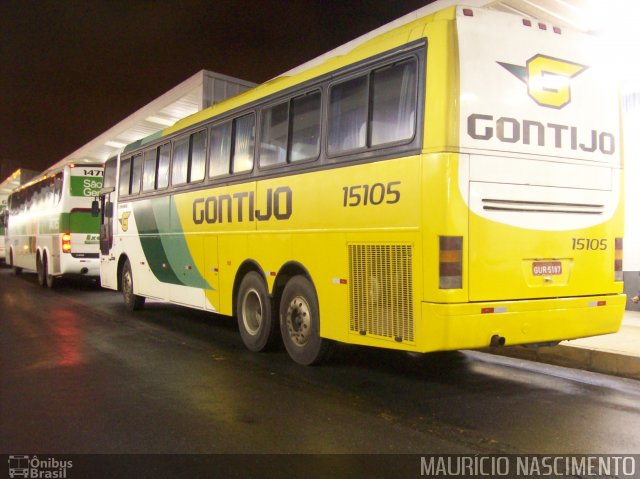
(72, 69)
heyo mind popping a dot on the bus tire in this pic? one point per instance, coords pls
(16, 270)
(300, 323)
(132, 301)
(256, 321)
(40, 270)
(50, 279)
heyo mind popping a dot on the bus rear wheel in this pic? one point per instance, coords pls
(132, 301)
(40, 270)
(300, 323)
(256, 320)
(50, 279)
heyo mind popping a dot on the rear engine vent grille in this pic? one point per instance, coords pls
(381, 290)
(517, 206)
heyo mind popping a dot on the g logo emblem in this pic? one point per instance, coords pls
(547, 79)
(124, 220)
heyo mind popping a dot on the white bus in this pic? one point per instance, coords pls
(49, 226)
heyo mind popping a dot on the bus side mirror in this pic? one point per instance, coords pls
(95, 207)
(108, 209)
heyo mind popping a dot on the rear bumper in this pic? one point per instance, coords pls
(80, 267)
(466, 326)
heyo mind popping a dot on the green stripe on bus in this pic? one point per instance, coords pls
(167, 254)
(177, 250)
(151, 242)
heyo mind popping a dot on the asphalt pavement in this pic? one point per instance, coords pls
(615, 354)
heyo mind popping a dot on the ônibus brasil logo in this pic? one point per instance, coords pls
(547, 79)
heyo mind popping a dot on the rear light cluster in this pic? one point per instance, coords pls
(450, 276)
(66, 243)
(618, 276)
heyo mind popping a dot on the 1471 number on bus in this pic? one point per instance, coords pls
(374, 194)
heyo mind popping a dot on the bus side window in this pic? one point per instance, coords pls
(136, 173)
(49, 192)
(57, 188)
(110, 168)
(197, 156)
(180, 165)
(394, 103)
(374, 110)
(220, 151)
(348, 115)
(274, 130)
(149, 170)
(164, 158)
(305, 127)
(125, 177)
(244, 143)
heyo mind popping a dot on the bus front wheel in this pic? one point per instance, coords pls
(255, 315)
(131, 301)
(300, 323)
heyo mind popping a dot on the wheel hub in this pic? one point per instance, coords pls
(299, 320)
(252, 312)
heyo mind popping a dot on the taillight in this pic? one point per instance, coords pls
(66, 243)
(450, 262)
(618, 261)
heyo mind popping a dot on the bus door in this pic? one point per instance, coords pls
(108, 270)
(108, 266)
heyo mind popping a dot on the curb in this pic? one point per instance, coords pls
(598, 361)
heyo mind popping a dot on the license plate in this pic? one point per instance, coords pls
(546, 268)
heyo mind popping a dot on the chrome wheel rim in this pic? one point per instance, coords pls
(252, 312)
(127, 285)
(298, 320)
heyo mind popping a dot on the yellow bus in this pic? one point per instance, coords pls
(453, 182)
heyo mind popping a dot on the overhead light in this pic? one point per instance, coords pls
(160, 121)
(115, 144)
